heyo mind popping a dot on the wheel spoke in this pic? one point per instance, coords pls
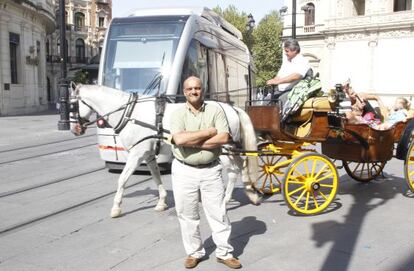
(264, 173)
(301, 195)
(307, 201)
(356, 167)
(323, 195)
(362, 170)
(296, 182)
(298, 174)
(326, 185)
(305, 165)
(264, 182)
(313, 168)
(314, 200)
(322, 170)
(325, 177)
(297, 190)
(271, 183)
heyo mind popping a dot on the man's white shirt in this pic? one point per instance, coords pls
(298, 64)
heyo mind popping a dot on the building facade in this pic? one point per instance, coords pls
(86, 24)
(24, 25)
(366, 41)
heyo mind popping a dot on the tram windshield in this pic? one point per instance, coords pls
(138, 52)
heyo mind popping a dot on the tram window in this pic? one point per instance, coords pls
(195, 64)
(238, 82)
(138, 52)
(221, 79)
(212, 74)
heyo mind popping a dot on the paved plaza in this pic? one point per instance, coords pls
(56, 195)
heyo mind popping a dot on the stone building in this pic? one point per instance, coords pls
(368, 41)
(86, 24)
(24, 25)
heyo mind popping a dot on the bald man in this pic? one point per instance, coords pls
(199, 130)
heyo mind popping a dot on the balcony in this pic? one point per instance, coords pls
(102, 1)
(309, 28)
(70, 59)
(77, 28)
(374, 21)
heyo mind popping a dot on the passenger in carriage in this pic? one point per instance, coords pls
(362, 111)
(399, 112)
(198, 130)
(294, 68)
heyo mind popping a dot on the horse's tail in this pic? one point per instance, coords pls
(249, 142)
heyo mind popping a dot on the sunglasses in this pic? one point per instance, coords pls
(191, 88)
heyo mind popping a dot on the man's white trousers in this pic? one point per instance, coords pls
(188, 183)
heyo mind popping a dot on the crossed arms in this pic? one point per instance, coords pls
(203, 139)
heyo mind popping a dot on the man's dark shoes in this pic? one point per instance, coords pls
(191, 262)
(231, 262)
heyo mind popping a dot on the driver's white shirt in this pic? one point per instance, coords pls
(298, 64)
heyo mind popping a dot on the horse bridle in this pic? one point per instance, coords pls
(76, 118)
(75, 114)
(126, 116)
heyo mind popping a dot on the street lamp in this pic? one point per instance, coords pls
(284, 9)
(63, 123)
(249, 27)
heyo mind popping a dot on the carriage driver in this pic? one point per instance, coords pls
(198, 131)
(294, 67)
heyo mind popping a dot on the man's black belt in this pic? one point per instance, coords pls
(211, 164)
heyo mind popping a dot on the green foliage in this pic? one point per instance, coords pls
(264, 41)
(267, 49)
(81, 76)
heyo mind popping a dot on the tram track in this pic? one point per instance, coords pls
(46, 154)
(40, 218)
(46, 144)
(32, 187)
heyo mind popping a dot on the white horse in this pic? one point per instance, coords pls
(138, 134)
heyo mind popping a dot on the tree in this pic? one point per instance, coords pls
(267, 49)
(81, 76)
(264, 41)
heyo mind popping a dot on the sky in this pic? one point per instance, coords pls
(258, 8)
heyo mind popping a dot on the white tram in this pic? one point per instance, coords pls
(176, 42)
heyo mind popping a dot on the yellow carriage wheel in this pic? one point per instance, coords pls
(363, 172)
(270, 176)
(311, 183)
(409, 166)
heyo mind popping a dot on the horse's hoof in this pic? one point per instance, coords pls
(115, 212)
(253, 197)
(161, 207)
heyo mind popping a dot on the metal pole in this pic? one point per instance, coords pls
(63, 123)
(294, 19)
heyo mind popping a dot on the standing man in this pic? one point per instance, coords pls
(294, 67)
(198, 132)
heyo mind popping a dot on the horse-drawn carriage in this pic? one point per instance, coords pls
(308, 179)
(287, 151)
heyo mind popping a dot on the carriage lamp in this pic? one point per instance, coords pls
(101, 123)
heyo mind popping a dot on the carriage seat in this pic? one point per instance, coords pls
(314, 104)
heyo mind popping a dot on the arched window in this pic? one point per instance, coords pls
(309, 25)
(80, 50)
(309, 14)
(79, 21)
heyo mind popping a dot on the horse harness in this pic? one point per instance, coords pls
(127, 108)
